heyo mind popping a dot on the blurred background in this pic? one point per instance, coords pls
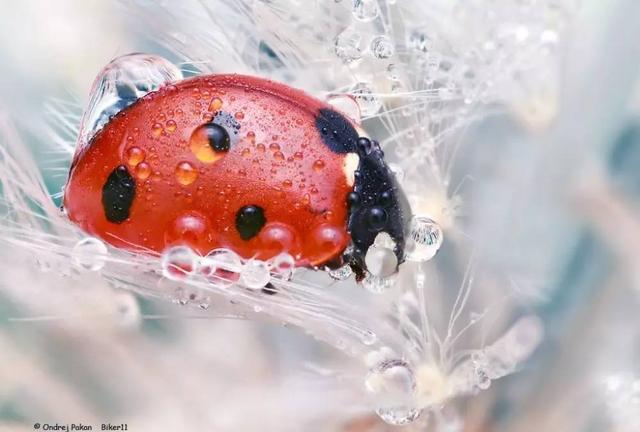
(522, 142)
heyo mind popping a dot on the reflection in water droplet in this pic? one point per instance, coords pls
(221, 267)
(425, 239)
(392, 384)
(178, 262)
(255, 274)
(186, 173)
(90, 254)
(121, 83)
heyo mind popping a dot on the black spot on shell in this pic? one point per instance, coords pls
(249, 221)
(218, 137)
(336, 131)
(117, 195)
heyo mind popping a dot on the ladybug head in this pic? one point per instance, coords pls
(378, 209)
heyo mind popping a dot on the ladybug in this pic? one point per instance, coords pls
(237, 162)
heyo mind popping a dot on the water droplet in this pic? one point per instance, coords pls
(392, 383)
(378, 284)
(347, 105)
(425, 238)
(221, 267)
(341, 273)
(156, 130)
(419, 41)
(209, 142)
(123, 81)
(382, 47)
(216, 104)
(90, 254)
(369, 103)
(171, 126)
(318, 165)
(134, 155)
(186, 173)
(255, 274)
(178, 262)
(143, 170)
(127, 310)
(365, 10)
(397, 171)
(348, 45)
(283, 265)
(381, 261)
(369, 337)
(393, 72)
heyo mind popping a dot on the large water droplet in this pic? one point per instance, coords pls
(348, 45)
(425, 238)
(368, 102)
(283, 265)
(178, 262)
(347, 105)
(381, 261)
(121, 83)
(255, 274)
(365, 10)
(392, 383)
(90, 254)
(221, 267)
(382, 47)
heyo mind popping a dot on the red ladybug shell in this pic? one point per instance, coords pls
(149, 179)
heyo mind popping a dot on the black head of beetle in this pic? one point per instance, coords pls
(377, 205)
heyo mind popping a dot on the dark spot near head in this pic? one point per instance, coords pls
(218, 137)
(249, 221)
(382, 207)
(376, 219)
(343, 136)
(117, 195)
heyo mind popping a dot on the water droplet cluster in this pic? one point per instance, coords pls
(224, 268)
